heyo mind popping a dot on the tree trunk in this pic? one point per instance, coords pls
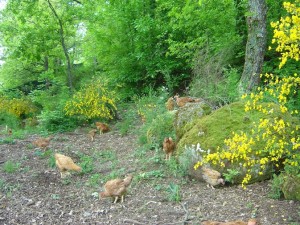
(62, 39)
(256, 45)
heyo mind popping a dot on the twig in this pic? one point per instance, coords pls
(186, 217)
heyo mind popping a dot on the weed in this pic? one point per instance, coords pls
(43, 154)
(230, 175)
(275, 191)
(175, 168)
(11, 167)
(8, 188)
(158, 187)
(150, 175)
(26, 169)
(86, 164)
(113, 175)
(94, 180)
(55, 196)
(51, 161)
(8, 140)
(66, 181)
(106, 155)
(174, 192)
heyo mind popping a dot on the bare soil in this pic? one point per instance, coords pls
(35, 193)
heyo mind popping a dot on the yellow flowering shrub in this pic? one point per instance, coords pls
(17, 106)
(93, 101)
(286, 33)
(281, 138)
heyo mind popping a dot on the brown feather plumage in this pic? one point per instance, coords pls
(116, 188)
(65, 164)
(169, 147)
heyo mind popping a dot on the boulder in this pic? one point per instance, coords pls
(198, 136)
(291, 187)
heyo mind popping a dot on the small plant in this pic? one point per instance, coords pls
(231, 175)
(8, 140)
(106, 155)
(86, 164)
(51, 161)
(175, 168)
(11, 167)
(8, 188)
(275, 191)
(94, 180)
(66, 181)
(150, 175)
(55, 196)
(174, 192)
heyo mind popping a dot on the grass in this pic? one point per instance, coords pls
(8, 140)
(10, 166)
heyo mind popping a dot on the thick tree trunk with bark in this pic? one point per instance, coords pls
(256, 45)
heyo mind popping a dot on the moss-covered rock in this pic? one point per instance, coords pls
(185, 116)
(291, 187)
(206, 134)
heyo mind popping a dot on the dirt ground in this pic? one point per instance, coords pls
(35, 193)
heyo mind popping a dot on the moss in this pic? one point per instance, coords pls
(291, 187)
(211, 130)
(186, 117)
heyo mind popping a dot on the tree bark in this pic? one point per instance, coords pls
(62, 39)
(256, 45)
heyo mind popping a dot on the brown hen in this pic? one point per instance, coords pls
(211, 177)
(116, 188)
(170, 104)
(42, 142)
(65, 164)
(168, 147)
(92, 134)
(102, 127)
(181, 101)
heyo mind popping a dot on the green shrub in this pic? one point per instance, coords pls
(276, 186)
(57, 121)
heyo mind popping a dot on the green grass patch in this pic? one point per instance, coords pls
(10, 166)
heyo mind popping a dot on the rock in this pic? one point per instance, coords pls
(186, 115)
(291, 187)
(199, 136)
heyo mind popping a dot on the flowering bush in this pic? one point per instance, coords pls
(17, 106)
(286, 33)
(281, 139)
(93, 101)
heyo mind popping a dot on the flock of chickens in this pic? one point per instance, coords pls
(117, 188)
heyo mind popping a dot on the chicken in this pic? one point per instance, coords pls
(168, 147)
(211, 177)
(102, 127)
(170, 104)
(116, 188)
(181, 101)
(42, 142)
(64, 164)
(238, 222)
(92, 134)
